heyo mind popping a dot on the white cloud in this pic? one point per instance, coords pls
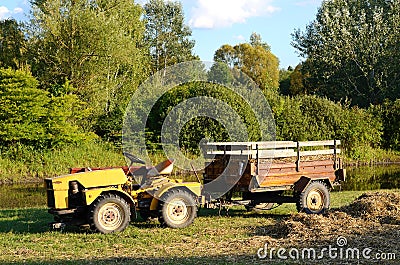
(224, 13)
(4, 12)
(7, 13)
(239, 37)
(18, 10)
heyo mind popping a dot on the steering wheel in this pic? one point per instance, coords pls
(134, 159)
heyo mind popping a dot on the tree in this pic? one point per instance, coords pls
(166, 34)
(31, 117)
(284, 80)
(352, 50)
(96, 45)
(389, 112)
(255, 59)
(12, 44)
(220, 73)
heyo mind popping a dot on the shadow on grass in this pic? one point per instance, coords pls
(29, 220)
(241, 213)
(36, 220)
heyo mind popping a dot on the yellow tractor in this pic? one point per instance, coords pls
(106, 198)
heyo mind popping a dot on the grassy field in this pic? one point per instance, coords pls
(212, 239)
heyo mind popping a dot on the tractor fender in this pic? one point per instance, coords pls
(92, 194)
(192, 187)
(304, 181)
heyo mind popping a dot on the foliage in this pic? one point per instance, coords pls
(30, 116)
(166, 34)
(389, 112)
(21, 163)
(96, 45)
(285, 76)
(12, 44)
(109, 126)
(90, 56)
(308, 118)
(299, 82)
(202, 127)
(255, 59)
(352, 50)
(220, 73)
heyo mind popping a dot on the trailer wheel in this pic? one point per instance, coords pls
(315, 199)
(177, 208)
(109, 213)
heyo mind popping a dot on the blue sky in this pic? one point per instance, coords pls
(218, 22)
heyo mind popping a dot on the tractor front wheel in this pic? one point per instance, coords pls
(109, 213)
(177, 208)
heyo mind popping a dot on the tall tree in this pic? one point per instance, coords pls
(12, 44)
(96, 45)
(29, 116)
(168, 37)
(255, 59)
(284, 80)
(353, 50)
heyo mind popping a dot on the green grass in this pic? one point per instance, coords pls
(26, 165)
(211, 239)
(22, 195)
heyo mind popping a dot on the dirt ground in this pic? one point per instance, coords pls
(372, 222)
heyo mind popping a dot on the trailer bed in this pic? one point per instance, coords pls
(268, 166)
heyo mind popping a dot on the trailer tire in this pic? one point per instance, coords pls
(314, 199)
(177, 208)
(109, 213)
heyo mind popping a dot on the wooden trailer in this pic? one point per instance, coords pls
(263, 173)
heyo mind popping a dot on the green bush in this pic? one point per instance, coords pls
(389, 112)
(200, 127)
(32, 117)
(28, 164)
(307, 118)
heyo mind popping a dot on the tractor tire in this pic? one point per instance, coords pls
(109, 213)
(315, 199)
(177, 208)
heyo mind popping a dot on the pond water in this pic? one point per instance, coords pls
(358, 178)
(372, 177)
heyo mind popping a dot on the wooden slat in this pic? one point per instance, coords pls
(290, 180)
(303, 164)
(320, 143)
(229, 143)
(273, 145)
(234, 152)
(275, 153)
(265, 154)
(262, 154)
(319, 152)
(261, 145)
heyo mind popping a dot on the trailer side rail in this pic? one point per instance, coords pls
(274, 149)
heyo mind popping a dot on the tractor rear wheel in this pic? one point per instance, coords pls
(177, 208)
(314, 199)
(109, 213)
